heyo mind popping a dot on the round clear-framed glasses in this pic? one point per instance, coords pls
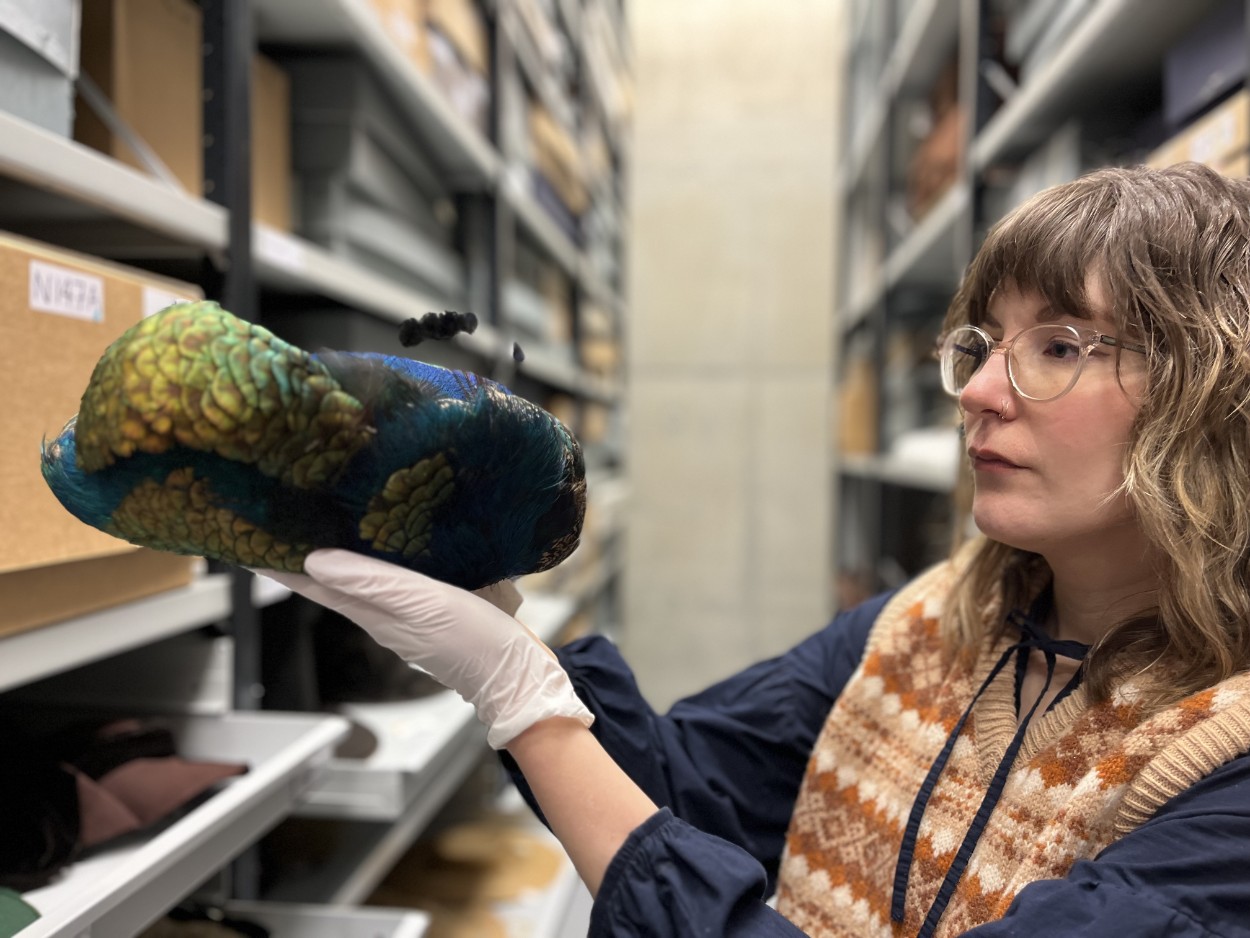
(1043, 361)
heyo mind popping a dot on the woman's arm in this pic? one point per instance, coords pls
(591, 805)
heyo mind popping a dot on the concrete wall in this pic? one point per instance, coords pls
(732, 214)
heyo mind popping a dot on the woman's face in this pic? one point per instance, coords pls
(1044, 470)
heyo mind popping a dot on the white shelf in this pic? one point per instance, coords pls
(117, 893)
(286, 920)
(101, 188)
(289, 262)
(895, 471)
(927, 254)
(468, 159)
(29, 656)
(1118, 42)
(425, 749)
(927, 40)
(868, 136)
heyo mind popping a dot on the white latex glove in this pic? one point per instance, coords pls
(464, 641)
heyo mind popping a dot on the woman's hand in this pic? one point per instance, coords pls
(467, 642)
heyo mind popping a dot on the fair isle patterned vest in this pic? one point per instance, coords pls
(1085, 776)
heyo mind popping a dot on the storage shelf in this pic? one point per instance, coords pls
(64, 183)
(894, 471)
(29, 656)
(288, 262)
(927, 40)
(426, 747)
(416, 762)
(927, 254)
(117, 893)
(470, 161)
(529, 213)
(1118, 43)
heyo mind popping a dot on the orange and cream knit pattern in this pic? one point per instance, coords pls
(1085, 776)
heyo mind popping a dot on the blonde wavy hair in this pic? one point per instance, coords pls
(1171, 248)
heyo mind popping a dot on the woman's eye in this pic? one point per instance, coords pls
(1062, 349)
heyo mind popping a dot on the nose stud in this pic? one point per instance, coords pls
(1002, 409)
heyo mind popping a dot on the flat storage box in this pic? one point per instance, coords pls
(145, 56)
(344, 125)
(364, 189)
(58, 313)
(39, 61)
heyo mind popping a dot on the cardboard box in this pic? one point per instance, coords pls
(146, 57)
(1212, 139)
(404, 22)
(44, 595)
(271, 144)
(557, 158)
(461, 22)
(58, 313)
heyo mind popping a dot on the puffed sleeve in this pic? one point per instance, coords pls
(1184, 873)
(672, 881)
(727, 761)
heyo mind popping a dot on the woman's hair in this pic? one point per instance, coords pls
(1171, 249)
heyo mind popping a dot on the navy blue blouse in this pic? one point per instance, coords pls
(725, 766)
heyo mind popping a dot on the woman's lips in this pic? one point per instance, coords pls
(985, 460)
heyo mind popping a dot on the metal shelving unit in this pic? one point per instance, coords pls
(62, 192)
(1104, 73)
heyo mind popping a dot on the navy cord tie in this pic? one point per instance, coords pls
(1032, 636)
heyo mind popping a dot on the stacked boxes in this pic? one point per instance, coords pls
(365, 190)
(1221, 139)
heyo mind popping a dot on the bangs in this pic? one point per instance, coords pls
(1047, 246)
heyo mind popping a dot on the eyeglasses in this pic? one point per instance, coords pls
(1043, 361)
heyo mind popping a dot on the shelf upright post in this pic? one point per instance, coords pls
(480, 210)
(878, 320)
(229, 44)
(976, 22)
(228, 48)
(503, 217)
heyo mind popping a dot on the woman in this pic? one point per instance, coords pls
(1047, 734)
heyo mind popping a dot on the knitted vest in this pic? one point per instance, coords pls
(1085, 776)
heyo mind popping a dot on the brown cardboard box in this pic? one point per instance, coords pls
(43, 595)
(556, 156)
(1218, 137)
(271, 144)
(145, 55)
(857, 406)
(461, 23)
(404, 22)
(935, 164)
(58, 313)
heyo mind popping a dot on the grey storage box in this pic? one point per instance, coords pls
(39, 61)
(364, 187)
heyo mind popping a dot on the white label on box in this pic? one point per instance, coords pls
(156, 299)
(66, 292)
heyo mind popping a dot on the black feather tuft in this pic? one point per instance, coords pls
(517, 354)
(442, 325)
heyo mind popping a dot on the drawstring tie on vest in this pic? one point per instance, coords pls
(1032, 636)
